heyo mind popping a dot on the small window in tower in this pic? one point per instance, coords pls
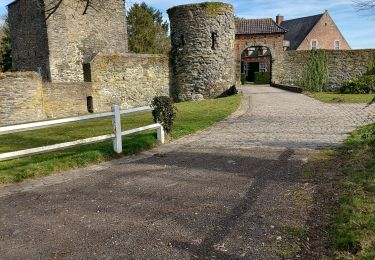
(86, 72)
(213, 40)
(337, 45)
(90, 104)
(314, 44)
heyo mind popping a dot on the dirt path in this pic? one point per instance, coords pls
(232, 191)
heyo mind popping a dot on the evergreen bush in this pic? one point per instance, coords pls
(164, 112)
(262, 78)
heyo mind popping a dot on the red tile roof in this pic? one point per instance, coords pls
(258, 26)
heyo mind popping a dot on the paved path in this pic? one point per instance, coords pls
(228, 192)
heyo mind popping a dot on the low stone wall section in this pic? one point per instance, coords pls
(129, 80)
(21, 98)
(342, 65)
(66, 99)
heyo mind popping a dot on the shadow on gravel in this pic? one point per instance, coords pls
(150, 208)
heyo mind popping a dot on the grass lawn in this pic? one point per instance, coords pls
(341, 98)
(352, 230)
(191, 117)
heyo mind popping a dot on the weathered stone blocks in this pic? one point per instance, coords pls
(202, 49)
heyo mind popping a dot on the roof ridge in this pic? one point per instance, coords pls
(310, 16)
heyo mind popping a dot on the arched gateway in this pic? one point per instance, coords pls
(258, 43)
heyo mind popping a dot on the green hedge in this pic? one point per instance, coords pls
(262, 78)
(243, 78)
(361, 85)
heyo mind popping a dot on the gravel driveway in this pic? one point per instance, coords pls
(232, 191)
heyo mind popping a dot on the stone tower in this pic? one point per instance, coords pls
(61, 47)
(202, 50)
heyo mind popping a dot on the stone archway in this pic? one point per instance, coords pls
(273, 42)
(256, 65)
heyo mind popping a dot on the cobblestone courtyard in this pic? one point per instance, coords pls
(226, 192)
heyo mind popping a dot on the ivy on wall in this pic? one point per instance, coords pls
(315, 75)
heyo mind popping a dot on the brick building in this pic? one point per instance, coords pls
(313, 32)
(61, 47)
(259, 44)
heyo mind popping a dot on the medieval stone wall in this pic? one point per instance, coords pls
(66, 99)
(129, 80)
(58, 47)
(29, 37)
(342, 65)
(75, 39)
(21, 98)
(202, 50)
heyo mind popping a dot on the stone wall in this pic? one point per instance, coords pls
(29, 37)
(66, 99)
(21, 98)
(129, 80)
(202, 50)
(75, 39)
(342, 65)
(59, 46)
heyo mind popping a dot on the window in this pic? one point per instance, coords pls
(262, 67)
(314, 44)
(90, 104)
(337, 45)
(213, 40)
(86, 72)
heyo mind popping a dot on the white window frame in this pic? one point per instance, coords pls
(262, 67)
(316, 44)
(337, 47)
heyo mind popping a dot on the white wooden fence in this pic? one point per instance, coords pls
(116, 136)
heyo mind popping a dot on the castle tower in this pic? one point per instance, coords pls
(202, 50)
(61, 47)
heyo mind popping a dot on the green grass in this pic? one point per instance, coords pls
(352, 228)
(341, 98)
(191, 117)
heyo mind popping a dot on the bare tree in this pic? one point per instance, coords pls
(365, 6)
(82, 6)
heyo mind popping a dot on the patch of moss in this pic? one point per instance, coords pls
(214, 8)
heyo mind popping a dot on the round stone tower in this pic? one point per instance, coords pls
(202, 50)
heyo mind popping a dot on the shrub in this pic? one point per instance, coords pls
(371, 69)
(262, 78)
(361, 85)
(164, 112)
(229, 92)
(315, 76)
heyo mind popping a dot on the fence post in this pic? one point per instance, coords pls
(161, 134)
(116, 122)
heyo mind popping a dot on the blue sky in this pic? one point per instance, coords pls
(358, 28)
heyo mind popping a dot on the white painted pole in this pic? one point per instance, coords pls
(161, 134)
(116, 122)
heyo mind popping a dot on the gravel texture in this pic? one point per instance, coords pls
(226, 192)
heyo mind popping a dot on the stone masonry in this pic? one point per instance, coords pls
(58, 47)
(129, 80)
(342, 65)
(21, 97)
(202, 50)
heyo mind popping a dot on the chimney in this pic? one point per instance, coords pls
(279, 19)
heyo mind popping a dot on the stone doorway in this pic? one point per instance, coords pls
(256, 65)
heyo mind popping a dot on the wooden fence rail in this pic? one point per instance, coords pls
(116, 136)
